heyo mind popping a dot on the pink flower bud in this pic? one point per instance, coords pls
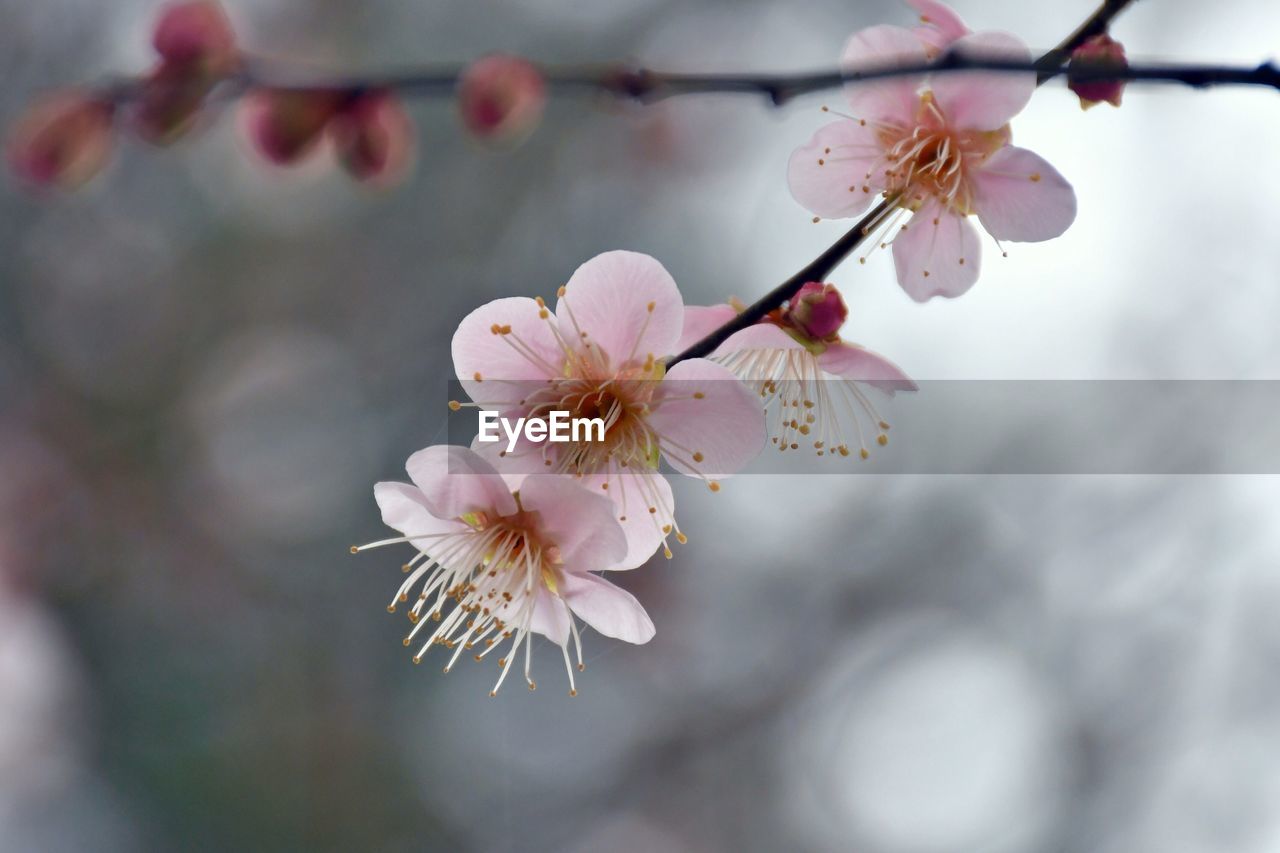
(62, 141)
(817, 310)
(1100, 52)
(197, 36)
(373, 138)
(501, 97)
(169, 103)
(285, 125)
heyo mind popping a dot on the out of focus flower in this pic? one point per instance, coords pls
(940, 147)
(1099, 53)
(501, 97)
(63, 140)
(197, 49)
(600, 355)
(372, 137)
(810, 379)
(512, 564)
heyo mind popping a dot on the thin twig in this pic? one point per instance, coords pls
(1047, 66)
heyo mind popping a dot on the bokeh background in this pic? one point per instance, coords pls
(205, 365)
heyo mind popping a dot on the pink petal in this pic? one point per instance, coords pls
(455, 481)
(702, 320)
(578, 521)
(611, 610)
(759, 336)
(404, 509)
(714, 435)
(892, 100)
(850, 361)
(977, 101)
(632, 496)
(550, 616)
(610, 296)
(505, 364)
(929, 252)
(1019, 196)
(941, 25)
(831, 175)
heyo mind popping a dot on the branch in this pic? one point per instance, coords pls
(1048, 66)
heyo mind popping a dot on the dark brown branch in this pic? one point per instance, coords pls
(1048, 66)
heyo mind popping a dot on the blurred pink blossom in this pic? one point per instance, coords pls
(501, 97)
(62, 141)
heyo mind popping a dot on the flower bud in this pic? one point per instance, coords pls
(62, 141)
(168, 104)
(1099, 53)
(196, 36)
(373, 138)
(817, 310)
(285, 125)
(501, 97)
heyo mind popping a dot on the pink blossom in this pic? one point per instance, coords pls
(197, 50)
(600, 355)
(1101, 52)
(939, 25)
(370, 133)
(63, 140)
(810, 379)
(940, 147)
(501, 97)
(494, 564)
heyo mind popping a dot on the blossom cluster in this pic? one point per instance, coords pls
(67, 138)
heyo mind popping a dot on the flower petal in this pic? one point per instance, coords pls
(633, 495)
(611, 610)
(831, 175)
(702, 320)
(455, 481)
(938, 254)
(977, 101)
(550, 616)
(892, 100)
(940, 23)
(626, 303)
(404, 509)
(1019, 196)
(578, 521)
(759, 336)
(850, 361)
(505, 363)
(712, 435)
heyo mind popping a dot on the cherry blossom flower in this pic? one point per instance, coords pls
(940, 146)
(62, 141)
(501, 97)
(1101, 52)
(811, 380)
(600, 355)
(197, 50)
(512, 563)
(369, 131)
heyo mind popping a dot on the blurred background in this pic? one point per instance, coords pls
(205, 365)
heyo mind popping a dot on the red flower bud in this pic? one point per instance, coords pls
(373, 138)
(169, 102)
(62, 141)
(197, 36)
(285, 125)
(1099, 53)
(817, 310)
(501, 97)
